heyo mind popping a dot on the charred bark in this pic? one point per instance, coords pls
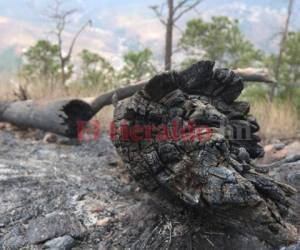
(59, 117)
(205, 168)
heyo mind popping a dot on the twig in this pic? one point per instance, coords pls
(150, 235)
(189, 241)
(170, 236)
(209, 241)
(187, 9)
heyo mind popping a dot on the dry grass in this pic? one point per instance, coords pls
(105, 117)
(6, 88)
(277, 120)
(43, 92)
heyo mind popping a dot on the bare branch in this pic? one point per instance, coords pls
(175, 51)
(178, 28)
(180, 5)
(248, 75)
(197, 11)
(56, 13)
(187, 9)
(88, 23)
(158, 14)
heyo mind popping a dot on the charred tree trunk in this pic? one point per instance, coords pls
(60, 117)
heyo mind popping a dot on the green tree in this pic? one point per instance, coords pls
(220, 40)
(41, 63)
(96, 70)
(137, 66)
(289, 73)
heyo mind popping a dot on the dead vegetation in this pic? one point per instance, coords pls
(278, 120)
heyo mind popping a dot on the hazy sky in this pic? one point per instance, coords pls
(120, 25)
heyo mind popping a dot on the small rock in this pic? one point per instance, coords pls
(102, 246)
(293, 148)
(292, 247)
(14, 239)
(103, 222)
(62, 243)
(80, 195)
(273, 153)
(95, 206)
(112, 160)
(54, 225)
(50, 138)
(279, 146)
(125, 178)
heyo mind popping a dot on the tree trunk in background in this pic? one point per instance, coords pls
(174, 13)
(169, 36)
(63, 74)
(281, 48)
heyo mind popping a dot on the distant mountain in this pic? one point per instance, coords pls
(9, 60)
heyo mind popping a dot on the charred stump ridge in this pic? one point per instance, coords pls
(185, 138)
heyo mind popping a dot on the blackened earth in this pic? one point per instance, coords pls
(78, 196)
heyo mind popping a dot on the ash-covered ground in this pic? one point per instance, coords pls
(79, 196)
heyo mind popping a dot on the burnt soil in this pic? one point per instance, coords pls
(72, 195)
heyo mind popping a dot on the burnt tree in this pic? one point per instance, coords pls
(61, 17)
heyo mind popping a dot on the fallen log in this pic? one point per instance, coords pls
(255, 75)
(106, 99)
(247, 74)
(60, 117)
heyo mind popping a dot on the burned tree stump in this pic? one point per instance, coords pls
(185, 138)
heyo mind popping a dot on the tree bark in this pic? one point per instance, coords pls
(218, 175)
(169, 36)
(63, 73)
(175, 12)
